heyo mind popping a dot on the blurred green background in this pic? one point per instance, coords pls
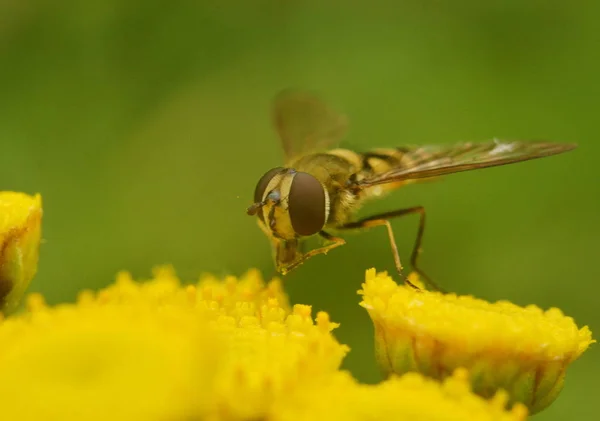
(145, 126)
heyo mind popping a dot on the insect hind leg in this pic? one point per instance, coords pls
(373, 222)
(382, 219)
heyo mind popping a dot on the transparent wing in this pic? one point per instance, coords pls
(433, 161)
(306, 124)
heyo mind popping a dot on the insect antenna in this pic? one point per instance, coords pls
(254, 208)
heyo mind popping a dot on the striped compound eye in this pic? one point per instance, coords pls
(307, 204)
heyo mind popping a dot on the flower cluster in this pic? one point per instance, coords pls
(223, 349)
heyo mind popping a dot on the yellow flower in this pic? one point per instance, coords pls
(105, 359)
(523, 350)
(229, 349)
(152, 350)
(410, 397)
(20, 230)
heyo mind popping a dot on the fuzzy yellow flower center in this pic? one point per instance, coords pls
(152, 350)
(522, 349)
(410, 397)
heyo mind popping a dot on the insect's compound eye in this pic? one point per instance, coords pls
(262, 184)
(307, 204)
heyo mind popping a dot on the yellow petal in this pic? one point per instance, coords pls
(523, 350)
(20, 231)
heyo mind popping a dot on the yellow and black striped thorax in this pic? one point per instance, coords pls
(338, 163)
(362, 164)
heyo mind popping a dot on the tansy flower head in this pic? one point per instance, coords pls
(159, 350)
(20, 230)
(523, 350)
(409, 397)
(270, 350)
(107, 357)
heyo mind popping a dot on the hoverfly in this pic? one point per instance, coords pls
(319, 189)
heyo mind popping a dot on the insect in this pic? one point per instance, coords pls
(319, 189)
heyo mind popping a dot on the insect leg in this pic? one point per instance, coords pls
(336, 242)
(382, 219)
(374, 222)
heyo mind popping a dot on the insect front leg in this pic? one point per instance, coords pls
(382, 219)
(335, 242)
